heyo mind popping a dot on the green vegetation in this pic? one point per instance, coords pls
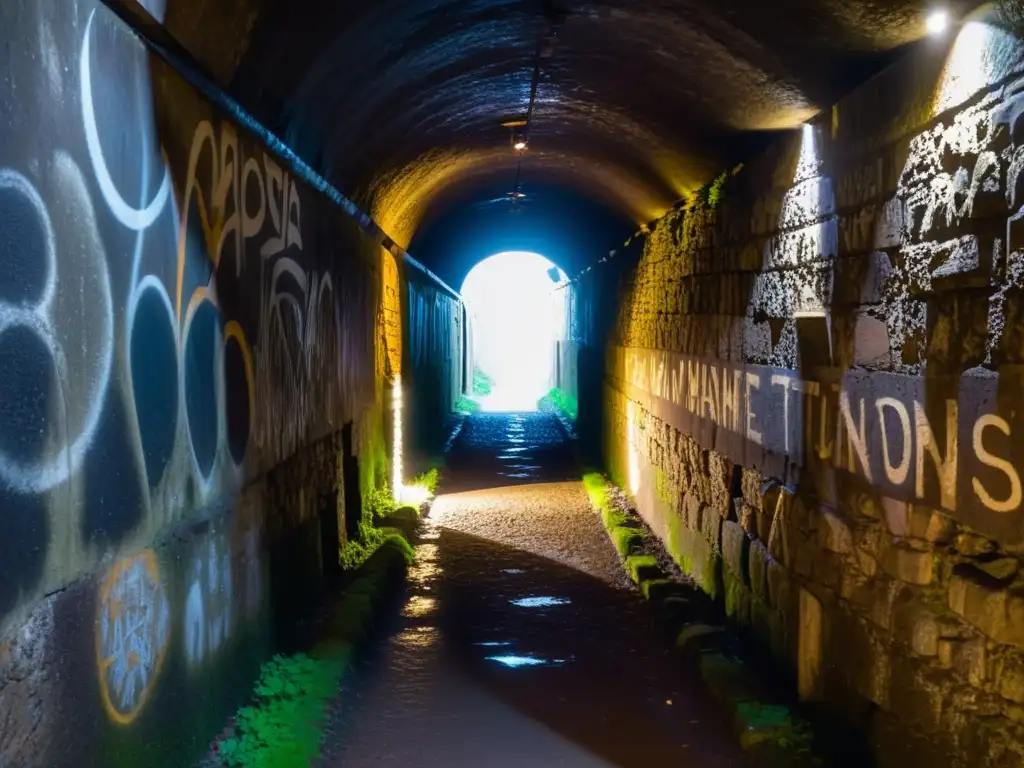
(716, 190)
(482, 383)
(428, 480)
(562, 401)
(625, 535)
(283, 726)
(379, 505)
(466, 406)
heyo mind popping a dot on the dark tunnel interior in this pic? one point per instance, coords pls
(270, 496)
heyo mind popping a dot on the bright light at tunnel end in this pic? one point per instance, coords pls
(937, 22)
(517, 317)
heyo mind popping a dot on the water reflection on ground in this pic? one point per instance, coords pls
(519, 643)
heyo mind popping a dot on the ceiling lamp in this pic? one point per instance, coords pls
(937, 22)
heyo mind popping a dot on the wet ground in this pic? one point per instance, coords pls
(520, 643)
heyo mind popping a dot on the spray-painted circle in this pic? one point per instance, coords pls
(133, 626)
(65, 452)
(27, 388)
(128, 215)
(237, 392)
(153, 358)
(200, 369)
(26, 240)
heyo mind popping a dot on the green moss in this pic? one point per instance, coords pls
(284, 724)
(716, 190)
(639, 567)
(626, 540)
(625, 535)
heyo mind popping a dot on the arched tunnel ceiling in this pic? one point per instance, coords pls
(400, 102)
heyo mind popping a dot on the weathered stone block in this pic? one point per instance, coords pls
(868, 507)
(711, 529)
(896, 516)
(866, 562)
(737, 598)
(802, 553)
(870, 342)
(915, 694)
(864, 653)
(810, 650)
(909, 565)
(834, 533)
(692, 511)
(972, 545)
(751, 481)
(1002, 569)
(969, 660)
(827, 567)
(929, 524)
(996, 611)
(694, 555)
(734, 549)
(916, 625)
(889, 224)
(747, 516)
(780, 587)
(757, 569)
(1011, 679)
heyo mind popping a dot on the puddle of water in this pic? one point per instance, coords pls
(515, 662)
(494, 644)
(540, 601)
(419, 606)
(418, 637)
(518, 475)
(512, 570)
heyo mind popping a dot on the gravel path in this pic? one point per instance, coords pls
(520, 644)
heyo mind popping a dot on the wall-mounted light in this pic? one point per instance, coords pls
(519, 146)
(937, 22)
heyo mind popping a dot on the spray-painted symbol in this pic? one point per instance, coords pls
(133, 628)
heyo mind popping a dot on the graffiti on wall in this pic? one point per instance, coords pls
(945, 442)
(179, 312)
(208, 608)
(133, 628)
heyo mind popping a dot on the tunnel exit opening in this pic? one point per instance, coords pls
(516, 319)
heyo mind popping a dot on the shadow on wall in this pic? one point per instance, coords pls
(811, 394)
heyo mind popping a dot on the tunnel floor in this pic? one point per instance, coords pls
(519, 642)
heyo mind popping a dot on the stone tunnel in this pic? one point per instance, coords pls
(792, 334)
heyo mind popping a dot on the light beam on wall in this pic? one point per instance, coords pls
(397, 474)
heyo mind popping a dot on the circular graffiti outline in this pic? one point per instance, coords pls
(44, 474)
(123, 582)
(132, 218)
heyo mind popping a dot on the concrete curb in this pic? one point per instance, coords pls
(770, 733)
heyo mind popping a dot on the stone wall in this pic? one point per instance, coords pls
(813, 388)
(195, 339)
